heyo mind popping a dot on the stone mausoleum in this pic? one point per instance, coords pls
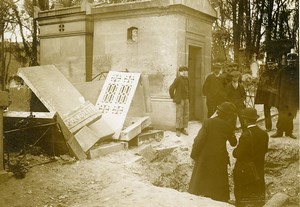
(152, 37)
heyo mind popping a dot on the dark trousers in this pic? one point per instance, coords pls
(267, 114)
(285, 121)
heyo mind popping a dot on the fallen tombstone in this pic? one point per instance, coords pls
(115, 98)
(129, 93)
(75, 115)
(81, 123)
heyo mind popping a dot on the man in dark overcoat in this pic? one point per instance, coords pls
(210, 176)
(253, 146)
(266, 91)
(287, 101)
(213, 89)
(236, 94)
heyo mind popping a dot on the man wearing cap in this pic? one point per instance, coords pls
(210, 175)
(287, 101)
(179, 92)
(213, 90)
(235, 93)
(253, 146)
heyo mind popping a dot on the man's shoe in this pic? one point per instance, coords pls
(276, 135)
(184, 132)
(291, 136)
(177, 133)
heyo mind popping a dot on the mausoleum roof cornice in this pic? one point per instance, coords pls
(62, 11)
(151, 7)
(201, 10)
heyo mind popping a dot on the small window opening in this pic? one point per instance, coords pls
(132, 34)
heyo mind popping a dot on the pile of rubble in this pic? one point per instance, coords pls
(85, 120)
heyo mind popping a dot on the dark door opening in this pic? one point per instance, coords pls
(194, 65)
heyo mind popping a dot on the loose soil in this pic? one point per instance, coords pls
(131, 178)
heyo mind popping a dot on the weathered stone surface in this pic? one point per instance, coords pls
(101, 129)
(86, 138)
(52, 88)
(102, 40)
(148, 153)
(277, 200)
(106, 149)
(156, 135)
(135, 128)
(90, 90)
(165, 151)
(116, 97)
(76, 148)
(74, 113)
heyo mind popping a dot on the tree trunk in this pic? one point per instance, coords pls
(34, 61)
(236, 38)
(249, 47)
(269, 24)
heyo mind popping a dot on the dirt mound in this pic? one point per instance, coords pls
(153, 174)
(170, 170)
(282, 169)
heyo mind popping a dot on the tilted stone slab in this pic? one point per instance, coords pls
(135, 128)
(74, 112)
(115, 98)
(106, 149)
(52, 88)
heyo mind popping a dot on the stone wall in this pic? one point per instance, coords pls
(166, 32)
(154, 53)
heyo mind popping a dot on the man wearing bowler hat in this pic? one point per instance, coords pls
(252, 147)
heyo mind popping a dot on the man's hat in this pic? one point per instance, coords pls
(217, 66)
(235, 73)
(250, 114)
(292, 56)
(227, 108)
(183, 68)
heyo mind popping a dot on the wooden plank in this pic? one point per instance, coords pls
(135, 129)
(23, 114)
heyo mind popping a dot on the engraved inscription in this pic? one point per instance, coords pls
(80, 115)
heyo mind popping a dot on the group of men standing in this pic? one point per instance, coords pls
(279, 87)
(225, 102)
